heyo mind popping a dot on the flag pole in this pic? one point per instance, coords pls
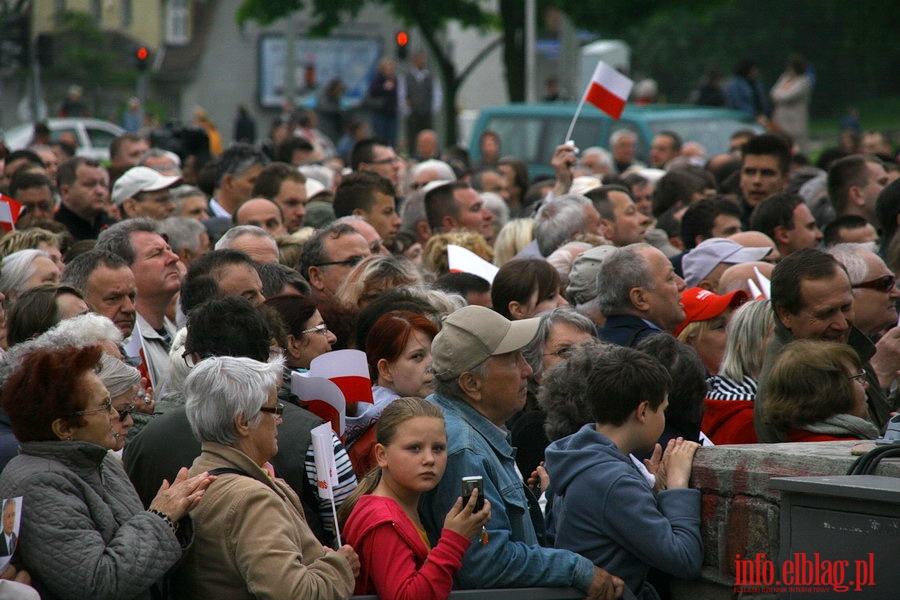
(577, 114)
(337, 528)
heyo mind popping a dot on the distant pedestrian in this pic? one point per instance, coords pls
(381, 100)
(133, 117)
(244, 126)
(745, 91)
(791, 95)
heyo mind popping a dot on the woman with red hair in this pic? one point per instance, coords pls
(398, 350)
(84, 532)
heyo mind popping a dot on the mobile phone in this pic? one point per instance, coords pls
(469, 484)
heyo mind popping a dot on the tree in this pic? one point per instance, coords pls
(85, 53)
(429, 17)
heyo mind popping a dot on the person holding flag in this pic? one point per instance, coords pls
(252, 538)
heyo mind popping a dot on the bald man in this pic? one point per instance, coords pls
(735, 277)
(757, 239)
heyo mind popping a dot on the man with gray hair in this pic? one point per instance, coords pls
(187, 237)
(480, 382)
(640, 294)
(157, 275)
(874, 288)
(255, 241)
(108, 286)
(559, 221)
(329, 255)
(236, 172)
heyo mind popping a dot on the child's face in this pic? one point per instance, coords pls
(655, 422)
(417, 456)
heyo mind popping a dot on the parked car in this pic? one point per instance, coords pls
(531, 131)
(93, 135)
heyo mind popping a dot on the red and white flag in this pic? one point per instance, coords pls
(608, 90)
(9, 213)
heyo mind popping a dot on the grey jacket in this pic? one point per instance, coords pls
(84, 533)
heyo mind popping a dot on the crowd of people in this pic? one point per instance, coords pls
(156, 310)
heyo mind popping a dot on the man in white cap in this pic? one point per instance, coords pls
(703, 266)
(480, 382)
(145, 192)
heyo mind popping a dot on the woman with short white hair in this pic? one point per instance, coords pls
(251, 539)
(24, 270)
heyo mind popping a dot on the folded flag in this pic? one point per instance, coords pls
(9, 213)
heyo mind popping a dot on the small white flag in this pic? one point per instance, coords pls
(323, 450)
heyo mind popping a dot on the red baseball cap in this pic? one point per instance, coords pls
(700, 305)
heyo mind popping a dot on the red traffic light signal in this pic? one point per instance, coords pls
(402, 39)
(141, 58)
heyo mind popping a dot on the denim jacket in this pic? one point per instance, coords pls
(512, 557)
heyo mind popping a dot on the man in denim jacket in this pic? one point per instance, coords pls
(480, 379)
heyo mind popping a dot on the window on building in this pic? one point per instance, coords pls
(97, 10)
(60, 6)
(178, 21)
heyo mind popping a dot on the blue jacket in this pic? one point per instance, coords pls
(748, 96)
(626, 330)
(604, 509)
(512, 557)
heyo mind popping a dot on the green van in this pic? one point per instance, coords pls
(531, 131)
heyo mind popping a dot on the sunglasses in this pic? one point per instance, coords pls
(885, 283)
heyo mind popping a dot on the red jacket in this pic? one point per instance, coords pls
(729, 421)
(393, 557)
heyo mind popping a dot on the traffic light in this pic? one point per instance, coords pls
(141, 58)
(402, 39)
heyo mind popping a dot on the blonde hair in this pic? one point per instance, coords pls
(376, 274)
(511, 239)
(397, 412)
(434, 256)
(27, 239)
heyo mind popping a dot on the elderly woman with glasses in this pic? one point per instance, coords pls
(123, 383)
(252, 540)
(816, 392)
(84, 532)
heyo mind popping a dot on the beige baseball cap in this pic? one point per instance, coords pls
(473, 334)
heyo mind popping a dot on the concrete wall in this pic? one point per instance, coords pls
(741, 510)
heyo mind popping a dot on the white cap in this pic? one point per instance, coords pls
(140, 179)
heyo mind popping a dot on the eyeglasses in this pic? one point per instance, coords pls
(348, 262)
(859, 377)
(104, 407)
(321, 328)
(885, 283)
(124, 412)
(276, 410)
(190, 360)
(564, 352)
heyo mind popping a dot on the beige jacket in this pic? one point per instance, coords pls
(252, 541)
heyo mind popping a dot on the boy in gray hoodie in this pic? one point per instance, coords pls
(604, 508)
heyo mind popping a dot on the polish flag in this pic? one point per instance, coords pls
(9, 213)
(609, 90)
